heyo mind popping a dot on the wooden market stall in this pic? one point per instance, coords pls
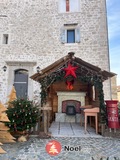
(71, 74)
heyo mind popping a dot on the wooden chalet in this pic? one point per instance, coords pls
(87, 79)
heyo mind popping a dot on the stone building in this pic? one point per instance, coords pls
(114, 88)
(118, 93)
(39, 32)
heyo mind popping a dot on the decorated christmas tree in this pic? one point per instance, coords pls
(23, 115)
(12, 97)
(5, 136)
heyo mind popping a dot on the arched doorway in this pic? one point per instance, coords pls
(21, 83)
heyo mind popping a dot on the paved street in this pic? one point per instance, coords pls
(91, 146)
(91, 149)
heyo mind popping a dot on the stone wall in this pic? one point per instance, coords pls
(114, 87)
(34, 28)
(118, 94)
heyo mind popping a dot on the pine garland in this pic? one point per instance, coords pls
(95, 79)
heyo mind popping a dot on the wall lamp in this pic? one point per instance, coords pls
(4, 68)
(38, 69)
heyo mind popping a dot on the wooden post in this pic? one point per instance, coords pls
(49, 114)
(102, 129)
(46, 113)
(45, 122)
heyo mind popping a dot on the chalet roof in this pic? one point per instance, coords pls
(84, 68)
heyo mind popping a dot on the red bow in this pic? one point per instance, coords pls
(70, 84)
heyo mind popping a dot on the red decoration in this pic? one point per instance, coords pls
(70, 84)
(70, 70)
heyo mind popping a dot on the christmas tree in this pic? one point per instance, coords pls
(53, 149)
(5, 136)
(23, 115)
(12, 96)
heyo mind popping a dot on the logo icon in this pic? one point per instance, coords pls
(53, 148)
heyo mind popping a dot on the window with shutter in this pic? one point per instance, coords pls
(70, 35)
(69, 6)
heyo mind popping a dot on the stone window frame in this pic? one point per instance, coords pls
(16, 65)
(63, 33)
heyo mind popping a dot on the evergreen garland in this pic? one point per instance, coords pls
(95, 79)
(90, 77)
(103, 113)
(46, 82)
(23, 115)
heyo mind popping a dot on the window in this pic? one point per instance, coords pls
(70, 34)
(5, 38)
(69, 6)
(21, 83)
(17, 69)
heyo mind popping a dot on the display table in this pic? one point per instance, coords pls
(91, 112)
(82, 108)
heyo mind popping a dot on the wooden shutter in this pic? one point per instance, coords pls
(62, 6)
(77, 35)
(74, 5)
(63, 35)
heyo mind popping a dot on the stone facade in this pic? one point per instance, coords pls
(114, 88)
(34, 27)
(118, 93)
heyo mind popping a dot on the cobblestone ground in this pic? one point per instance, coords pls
(91, 149)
